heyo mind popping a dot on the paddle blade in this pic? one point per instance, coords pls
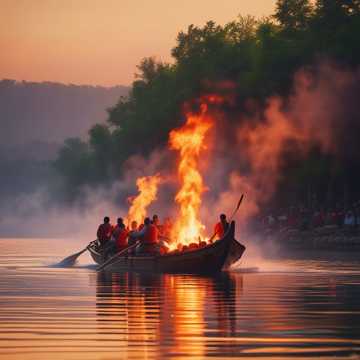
(70, 260)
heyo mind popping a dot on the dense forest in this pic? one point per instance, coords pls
(261, 57)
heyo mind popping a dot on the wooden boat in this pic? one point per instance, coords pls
(211, 258)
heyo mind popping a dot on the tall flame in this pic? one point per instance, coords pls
(189, 141)
(147, 186)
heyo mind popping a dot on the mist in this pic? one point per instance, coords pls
(35, 120)
(248, 155)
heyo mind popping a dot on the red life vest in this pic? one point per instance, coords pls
(219, 229)
(121, 239)
(104, 232)
(151, 235)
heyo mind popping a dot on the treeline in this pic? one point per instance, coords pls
(49, 111)
(35, 119)
(260, 56)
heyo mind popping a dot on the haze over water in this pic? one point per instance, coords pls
(288, 308)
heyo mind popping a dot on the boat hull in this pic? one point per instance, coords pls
(209, 259)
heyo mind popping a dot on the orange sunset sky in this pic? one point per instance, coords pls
(100, 42)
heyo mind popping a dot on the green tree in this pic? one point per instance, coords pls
(102, 152)
(293, 15)
(260, 57)
(74, 164)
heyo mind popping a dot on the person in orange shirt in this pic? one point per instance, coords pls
(221, 227)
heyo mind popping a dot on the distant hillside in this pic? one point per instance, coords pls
(35, 119)
(51, 112)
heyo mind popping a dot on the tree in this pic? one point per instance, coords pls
(293, 15)
(102, 151)
(74, 163)
(259, 57)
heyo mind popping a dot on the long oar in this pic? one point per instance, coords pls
(233, 214)
(70, 260)
(111, 260)
(237, 207)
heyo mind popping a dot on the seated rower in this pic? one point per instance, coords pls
(104, 231)
(148, 236)
(132, 235)
(121, 238)
(110, 248)
(156, 222)
(221, 227)
(117, 228)
(133, 230)
(118, 240)
(167, 228)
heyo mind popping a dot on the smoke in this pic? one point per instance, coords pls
(251, 153)
(36, 215)
(246, 154)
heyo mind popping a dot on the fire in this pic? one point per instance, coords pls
(148, 187)
(189, 141)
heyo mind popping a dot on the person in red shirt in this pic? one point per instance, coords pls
(167, 228)
(156, 222)
(221, 227)
(149, 238)
(118, 240)
(117, 228)
(104, 231)
(121, 237)
(151, 233)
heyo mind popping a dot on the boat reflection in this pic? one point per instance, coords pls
(171, 315)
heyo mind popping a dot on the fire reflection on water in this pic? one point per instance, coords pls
(178, 315)
(310, 309)
(172, 310)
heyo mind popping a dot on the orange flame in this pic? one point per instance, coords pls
(147, 186)
(189, 140)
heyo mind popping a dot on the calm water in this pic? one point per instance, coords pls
(284, 309)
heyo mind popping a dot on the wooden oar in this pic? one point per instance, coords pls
(70, 260)
(110, 261)
(233, 214)
(237, 207)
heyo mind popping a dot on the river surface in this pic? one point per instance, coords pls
(265, 309)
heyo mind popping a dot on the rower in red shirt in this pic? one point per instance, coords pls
(149, 239)
(104, 231)
(121, 238)
(117, 228)
(156, 222)
(221, 227)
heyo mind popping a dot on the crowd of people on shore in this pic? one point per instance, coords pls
(150, 238)
(303, 218)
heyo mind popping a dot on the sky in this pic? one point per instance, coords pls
(100, 42)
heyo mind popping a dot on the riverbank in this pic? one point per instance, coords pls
(326, 237)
